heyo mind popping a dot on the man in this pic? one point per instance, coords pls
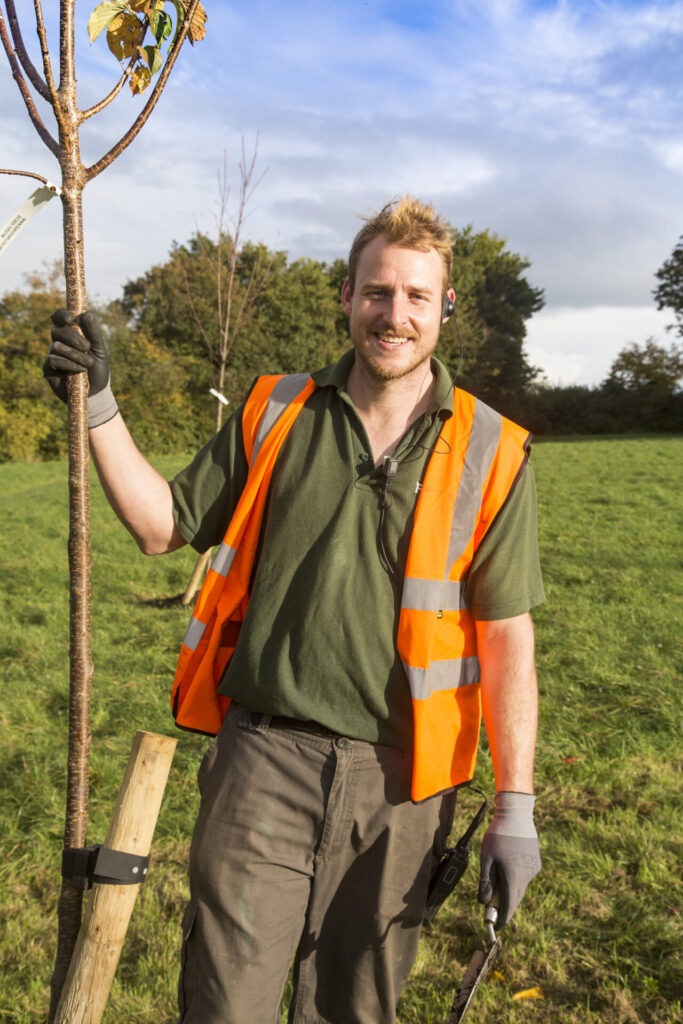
(369, 597)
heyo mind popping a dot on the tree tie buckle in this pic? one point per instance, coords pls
(83, 866)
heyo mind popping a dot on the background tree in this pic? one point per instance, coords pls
(493, 302)
(25, 434)
(648, 366)
(302, 323)
(150, 385)
(669, 292)
(128, 24)
(293, 323)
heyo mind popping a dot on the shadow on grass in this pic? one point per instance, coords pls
(170, 601)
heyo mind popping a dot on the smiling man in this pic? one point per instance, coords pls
(394, 306)
(368, 601)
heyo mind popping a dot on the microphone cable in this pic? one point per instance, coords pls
(390, 465)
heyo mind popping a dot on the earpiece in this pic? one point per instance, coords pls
(448, 308)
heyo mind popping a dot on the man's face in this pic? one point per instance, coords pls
(395, 309)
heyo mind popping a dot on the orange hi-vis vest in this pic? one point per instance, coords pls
(471, 471)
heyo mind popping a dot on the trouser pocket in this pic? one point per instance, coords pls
(186, 987)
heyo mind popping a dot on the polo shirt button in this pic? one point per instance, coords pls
(364, 456)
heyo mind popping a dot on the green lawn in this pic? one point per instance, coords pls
(598, 932)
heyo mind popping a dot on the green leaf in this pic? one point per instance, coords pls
(103, 15)
(180, 14)
(152, 58)
(160, 24)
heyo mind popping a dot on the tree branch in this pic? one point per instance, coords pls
(107, 99)
(30, 174)
(47, 67)
(26, 62)
(231, 331)
(123, 143)
(24, 90)
(66, 42)
(195, 315)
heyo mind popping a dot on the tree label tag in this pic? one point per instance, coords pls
(35, 202)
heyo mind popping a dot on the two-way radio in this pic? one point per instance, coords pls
(452, 865)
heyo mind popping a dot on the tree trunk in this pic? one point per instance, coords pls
(80, 658)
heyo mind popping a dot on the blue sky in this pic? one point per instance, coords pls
(557, 125)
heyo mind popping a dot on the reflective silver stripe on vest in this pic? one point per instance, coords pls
(284, 392)
(442, 675)
(487, 426)
(434, 595)
(222, 560)
(195, 631)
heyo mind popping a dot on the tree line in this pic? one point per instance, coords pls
(166, 335)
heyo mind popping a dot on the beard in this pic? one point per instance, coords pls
(382, 368)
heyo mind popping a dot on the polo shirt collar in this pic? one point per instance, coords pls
(336, 376)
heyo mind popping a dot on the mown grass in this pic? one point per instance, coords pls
(598, 932)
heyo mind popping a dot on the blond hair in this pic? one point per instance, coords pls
(410, 223)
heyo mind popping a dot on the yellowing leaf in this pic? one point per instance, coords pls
(124, 35)
(103, 15)
(529, 993)
(140, 78)
(145, 6)
(197, 29)
(498, 976)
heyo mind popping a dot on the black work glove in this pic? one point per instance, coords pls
(510, 856)
(74, 352)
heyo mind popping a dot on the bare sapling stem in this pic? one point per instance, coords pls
(80, 658)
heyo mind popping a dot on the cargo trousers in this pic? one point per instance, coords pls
(308, 849)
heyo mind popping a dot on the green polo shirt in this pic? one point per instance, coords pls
(319, 638)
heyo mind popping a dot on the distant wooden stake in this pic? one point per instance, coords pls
(109, 908)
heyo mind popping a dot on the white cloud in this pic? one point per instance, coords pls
(578, 346)
(670, 153)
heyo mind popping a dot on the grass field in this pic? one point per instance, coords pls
(599, 931)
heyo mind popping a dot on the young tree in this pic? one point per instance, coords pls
(128, 23)
(238, 284)
(669, 292)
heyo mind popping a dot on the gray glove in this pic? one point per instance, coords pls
(510, 855)
(74, 352)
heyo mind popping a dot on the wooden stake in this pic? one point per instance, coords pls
(109, 908)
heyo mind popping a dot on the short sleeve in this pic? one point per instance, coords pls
(505, 577)
(206, 492)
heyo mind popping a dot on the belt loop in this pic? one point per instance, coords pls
(264, 720)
